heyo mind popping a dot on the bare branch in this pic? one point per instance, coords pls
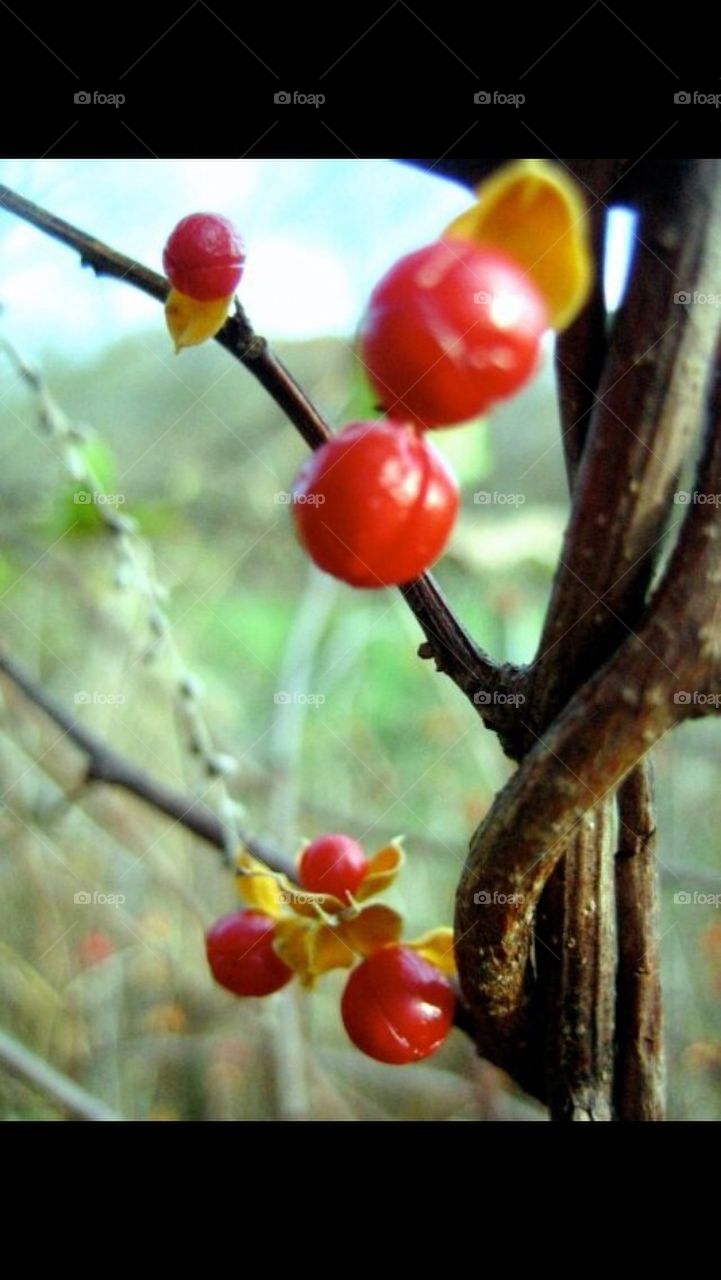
(457, 656)
(639, 1084)
(581, 350)
(104, 764)
(652, 395)
(576, 961)
(573, 1011)
(605, 730)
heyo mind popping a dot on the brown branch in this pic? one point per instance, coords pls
(604, 731)
(574, 1009)
(652, 394)
(639, 1065)
(457, 656)
(455, 653)
(573, 1006)
(581, 349)
(639, 1084)
(104, 764)
(576, 961)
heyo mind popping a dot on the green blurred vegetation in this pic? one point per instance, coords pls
(119, 997)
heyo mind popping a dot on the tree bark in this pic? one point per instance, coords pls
(640, 1081)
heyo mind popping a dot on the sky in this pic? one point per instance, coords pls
(318, 235)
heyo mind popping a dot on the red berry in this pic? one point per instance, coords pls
(204, 257)
(451, 329)
(241, 955)
(333, 864)
(375, 505)
(397, 1007)
(94, 947)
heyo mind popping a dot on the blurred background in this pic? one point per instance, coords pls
(198, 640)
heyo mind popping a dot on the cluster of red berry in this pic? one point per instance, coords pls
(397, 1007)
(450, 330)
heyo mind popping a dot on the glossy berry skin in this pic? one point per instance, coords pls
(450, 330)
(241, 955)
(333, 864)
(375, 506)
(397, 1007)
(204, 257)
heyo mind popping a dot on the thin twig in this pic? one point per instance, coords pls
(135, 570)
(464, 662)
(104, 764)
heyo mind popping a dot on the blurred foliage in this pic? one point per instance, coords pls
(118, 995)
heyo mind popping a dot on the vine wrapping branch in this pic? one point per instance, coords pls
(571, 1023)
(651, 396)
(604, 731)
